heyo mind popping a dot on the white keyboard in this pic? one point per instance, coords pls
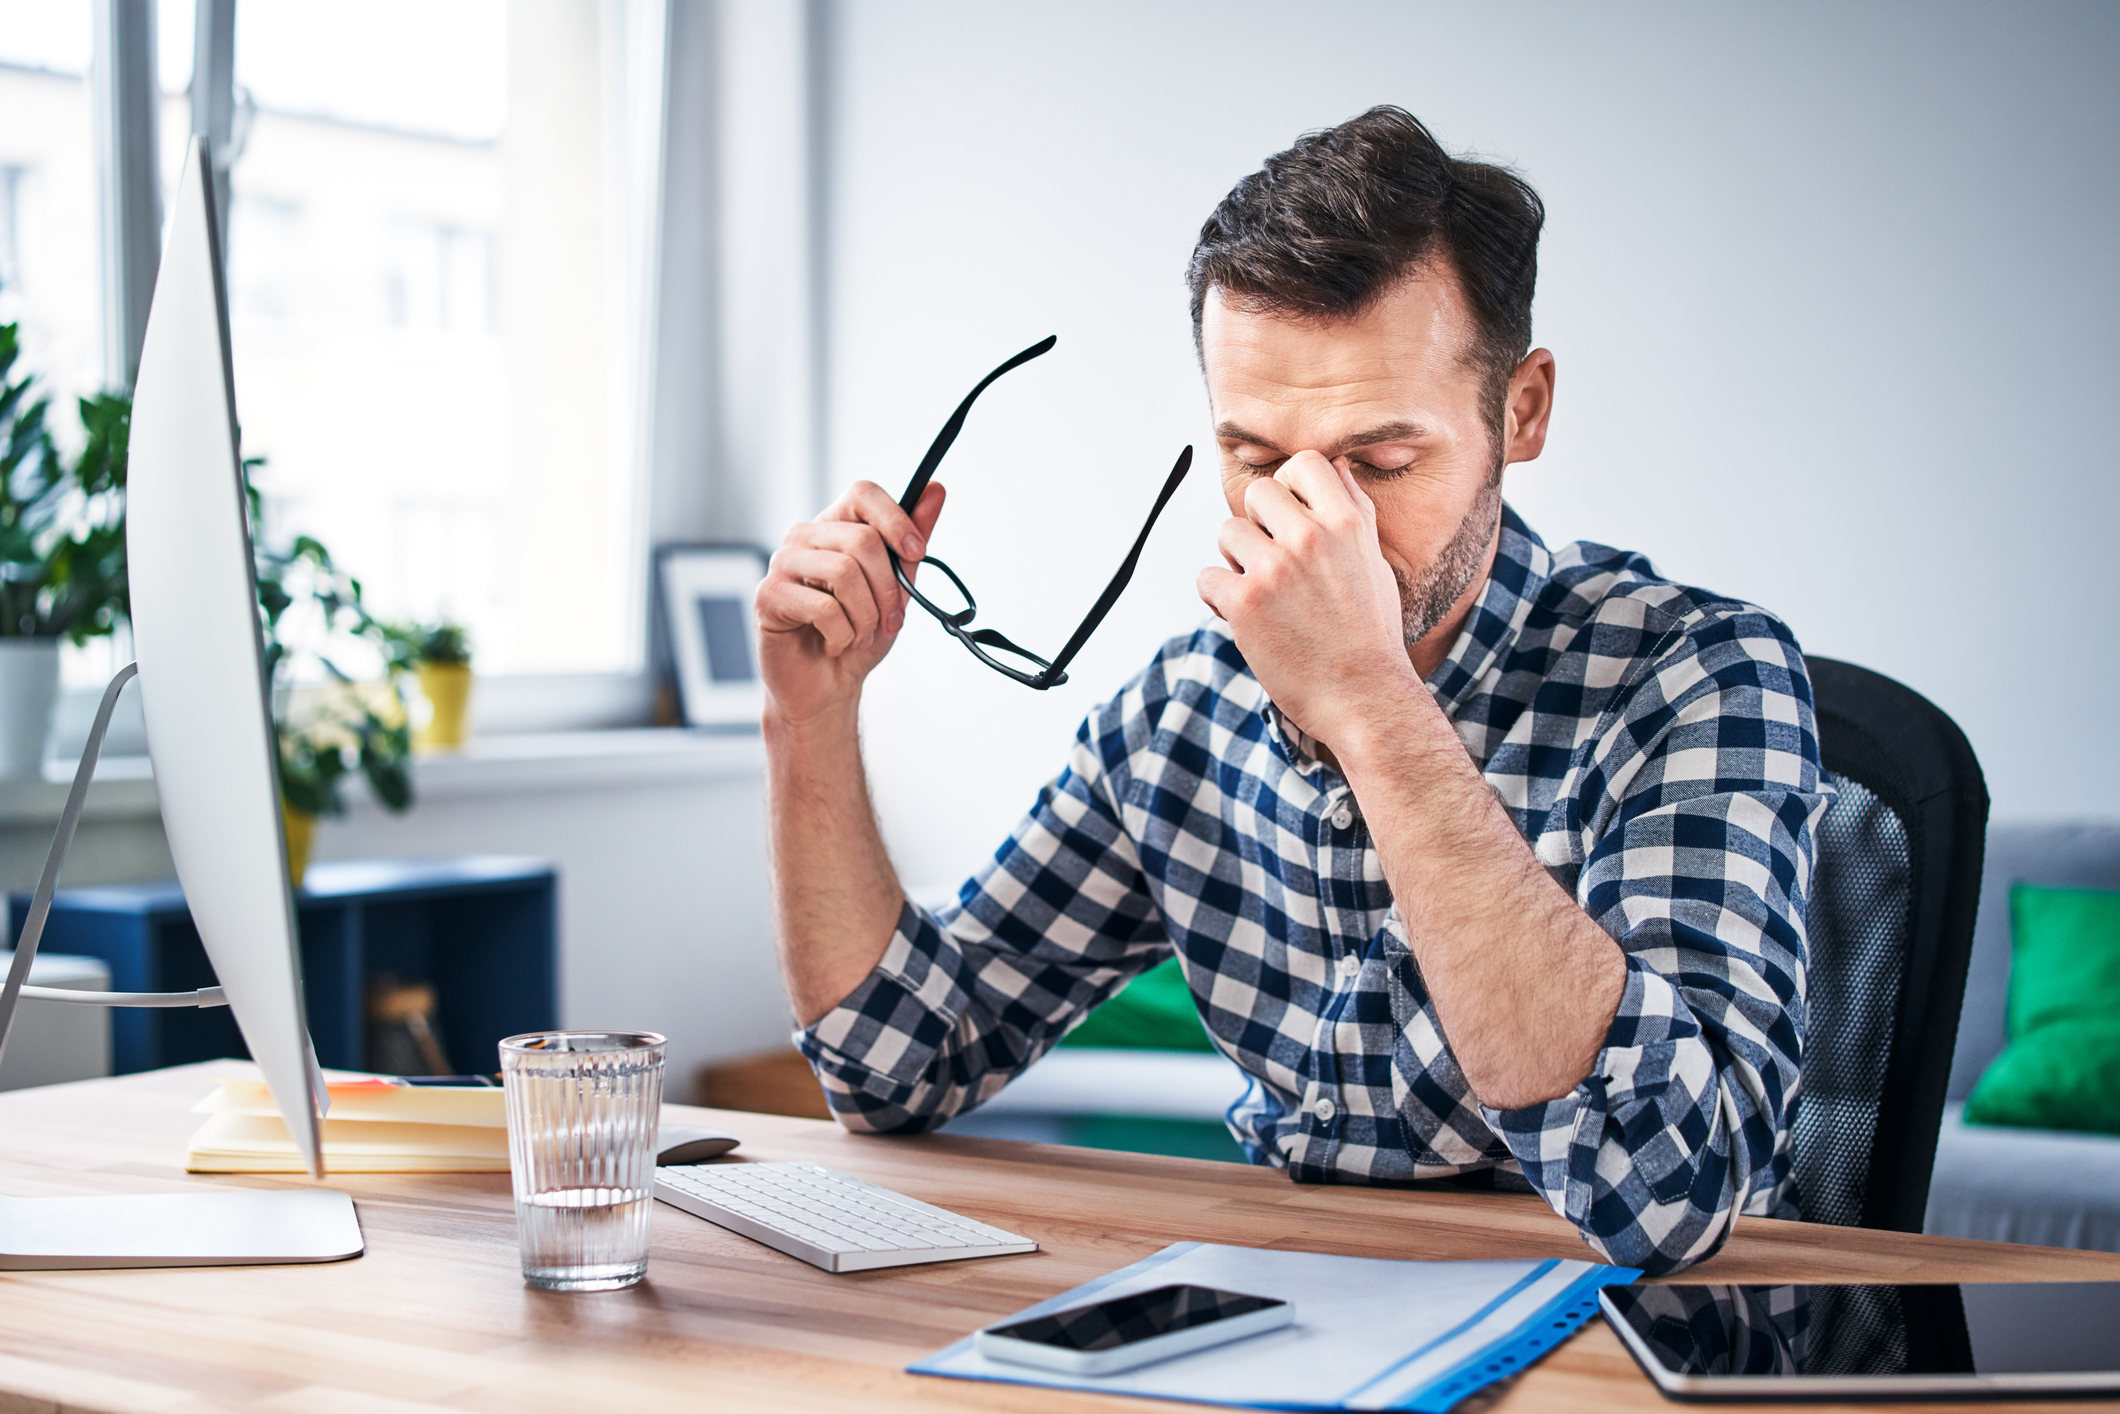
(827, 1218)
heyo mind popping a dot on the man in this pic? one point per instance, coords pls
(1483, 860)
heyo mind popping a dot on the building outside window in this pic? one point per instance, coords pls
(429, 313)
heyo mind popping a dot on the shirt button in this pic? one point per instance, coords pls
(1349, 964)
(1324, 1109)
(1342, 817)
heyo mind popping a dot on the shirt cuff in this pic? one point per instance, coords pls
(884, 1036)
(1631, 1156)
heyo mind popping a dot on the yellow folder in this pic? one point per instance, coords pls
(373, 1127)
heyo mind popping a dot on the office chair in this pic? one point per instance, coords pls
(1890, 932)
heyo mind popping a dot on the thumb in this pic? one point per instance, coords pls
(928, 510)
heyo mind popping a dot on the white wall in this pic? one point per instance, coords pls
(1829, 287)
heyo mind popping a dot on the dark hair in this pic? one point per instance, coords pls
(1324, 229)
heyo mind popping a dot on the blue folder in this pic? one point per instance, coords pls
(1369, 1333)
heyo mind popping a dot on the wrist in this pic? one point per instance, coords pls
(1389, 726)
(786, 725)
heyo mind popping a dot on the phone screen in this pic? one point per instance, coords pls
(1124, 1320)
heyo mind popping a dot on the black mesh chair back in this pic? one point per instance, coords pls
(1890, 928)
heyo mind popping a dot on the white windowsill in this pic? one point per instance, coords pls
(517, 764)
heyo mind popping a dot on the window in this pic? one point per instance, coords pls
(441, 238)
(433, 313)
(49, 276)
(10, 226)
(441, 279)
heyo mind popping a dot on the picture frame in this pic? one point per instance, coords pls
(707, 631)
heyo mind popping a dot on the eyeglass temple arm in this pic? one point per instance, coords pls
(1125, 572)
(950, 429)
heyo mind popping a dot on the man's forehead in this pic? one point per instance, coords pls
(1403, 353)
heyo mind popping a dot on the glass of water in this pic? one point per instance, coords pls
(583, 1109)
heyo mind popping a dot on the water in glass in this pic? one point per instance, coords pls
(584, 1239)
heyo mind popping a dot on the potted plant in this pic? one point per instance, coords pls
(62, 550)
(439, 655)
(328, 723)
(325, 733)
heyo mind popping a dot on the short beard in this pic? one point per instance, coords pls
(1422, 606)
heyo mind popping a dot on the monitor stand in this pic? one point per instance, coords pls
(218, 1229)
(226, 1229)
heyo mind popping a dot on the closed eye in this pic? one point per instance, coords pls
(1382, 473)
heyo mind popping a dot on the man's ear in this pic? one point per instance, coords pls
(1529, 407)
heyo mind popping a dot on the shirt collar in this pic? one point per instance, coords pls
(1522, 565)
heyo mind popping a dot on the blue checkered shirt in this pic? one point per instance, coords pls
(1655, 746)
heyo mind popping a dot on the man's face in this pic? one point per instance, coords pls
(1392, 397)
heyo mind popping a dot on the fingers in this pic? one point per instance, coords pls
(864, 547)
(1322, 486)
(788, 605)
(870, 504)
(841, 560)
(926, 513)
(1271, 503)
(834, 574)
(1242, 543)
(1307, 494)
(1354, 490)
(1217, 587)
(839, 574)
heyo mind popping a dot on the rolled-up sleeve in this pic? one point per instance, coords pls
(1699, 864)
(965, 999)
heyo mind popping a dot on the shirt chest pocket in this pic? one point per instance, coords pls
(1437, 1115)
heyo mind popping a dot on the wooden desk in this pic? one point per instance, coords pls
(435, 1316)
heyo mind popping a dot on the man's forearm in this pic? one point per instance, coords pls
(1526, 984)
(835, 895)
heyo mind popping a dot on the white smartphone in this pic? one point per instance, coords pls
(1126, 1331)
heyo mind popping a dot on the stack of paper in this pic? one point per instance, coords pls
(375, 1126)
(1369, 1332)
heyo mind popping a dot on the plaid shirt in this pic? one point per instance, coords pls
(1655, 746)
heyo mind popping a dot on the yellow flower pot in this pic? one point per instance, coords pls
(447, 688)
(301, 828)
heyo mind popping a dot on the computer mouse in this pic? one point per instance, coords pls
(690, 1144)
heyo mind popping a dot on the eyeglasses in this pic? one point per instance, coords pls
(1016, 661)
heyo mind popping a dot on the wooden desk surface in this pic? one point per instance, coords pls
(435, 1316)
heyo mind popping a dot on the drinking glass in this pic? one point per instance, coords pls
(583, 1108)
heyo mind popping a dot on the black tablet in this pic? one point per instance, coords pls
(1872, 1342)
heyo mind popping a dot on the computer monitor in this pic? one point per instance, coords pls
(209, 734)
(202, 675)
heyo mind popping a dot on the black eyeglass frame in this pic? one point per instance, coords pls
(1051, 673)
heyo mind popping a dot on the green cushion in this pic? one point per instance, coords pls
(1154, 1012)
(2061, 1068)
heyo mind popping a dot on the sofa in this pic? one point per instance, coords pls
(2047, 1187)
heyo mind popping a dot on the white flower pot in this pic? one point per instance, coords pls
(29, 688)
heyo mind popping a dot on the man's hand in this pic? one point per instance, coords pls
(1525, 983)
(1312, 603)
(830, 608)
